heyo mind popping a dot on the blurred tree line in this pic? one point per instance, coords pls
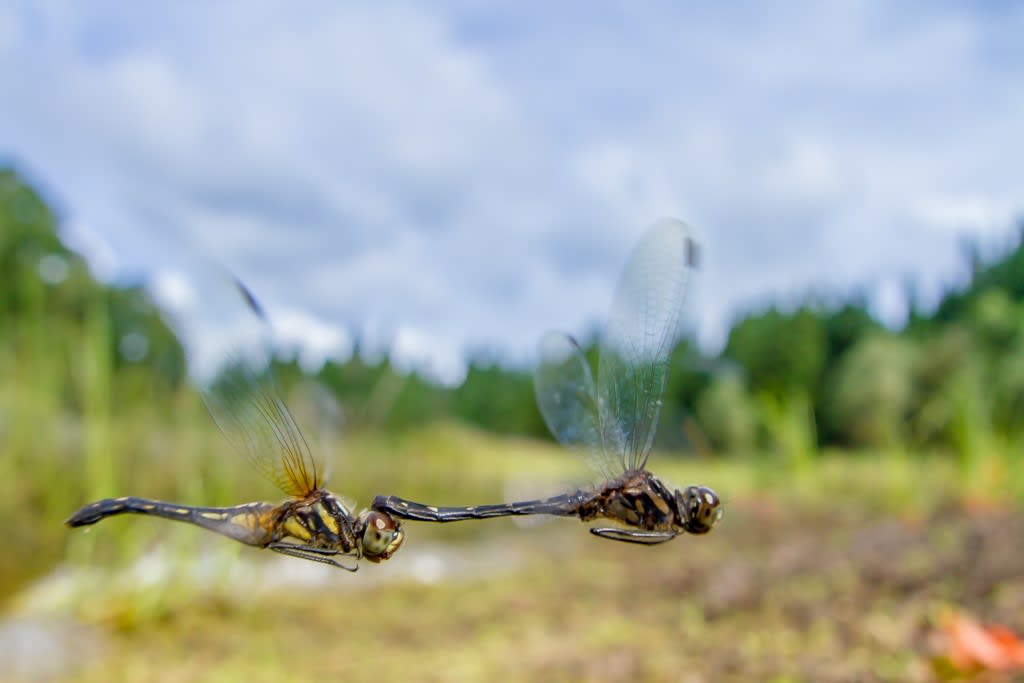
(51, 307)
(793, 380)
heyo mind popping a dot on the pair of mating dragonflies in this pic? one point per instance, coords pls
(610, 420)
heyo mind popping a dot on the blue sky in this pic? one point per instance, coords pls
(452, 176)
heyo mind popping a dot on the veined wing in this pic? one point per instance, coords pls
(567, 398)
(251, 415)
(642, 327)
(226, 334)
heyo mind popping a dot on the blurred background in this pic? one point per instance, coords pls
(416, 193)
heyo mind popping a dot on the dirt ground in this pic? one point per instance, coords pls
(831, 598)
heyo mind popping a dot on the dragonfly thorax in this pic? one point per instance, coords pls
(320, 520)
(635, 499)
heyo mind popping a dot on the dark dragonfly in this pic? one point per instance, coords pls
(314, 524)
(612, 421)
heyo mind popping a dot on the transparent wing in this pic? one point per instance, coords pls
(568, 400)
(228, 345)
(642, 327)
(251, 415)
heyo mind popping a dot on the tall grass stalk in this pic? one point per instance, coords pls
(33, 434)
(1015, 467)
(94, 386)
(980, 452)
(37, 387)
(791, 434)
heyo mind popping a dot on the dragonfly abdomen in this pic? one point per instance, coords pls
(566, 505)
(248, 523)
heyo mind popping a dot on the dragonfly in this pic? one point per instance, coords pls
(313, 524)
(612, 421)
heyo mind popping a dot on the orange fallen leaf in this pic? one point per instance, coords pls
(972, 645)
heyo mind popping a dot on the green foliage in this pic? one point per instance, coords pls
(845, 326)
(499, 400)
(1005, 273)
(870, 392)
(790, 429)
(948, 381)
(780, 352)
(728, 414)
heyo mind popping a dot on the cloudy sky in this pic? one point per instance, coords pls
(446, 177)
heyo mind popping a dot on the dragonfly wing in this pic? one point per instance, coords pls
(642, 327)
(568, 400)
(228, 344)
(249, 412)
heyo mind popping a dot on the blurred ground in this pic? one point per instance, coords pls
(782, 591)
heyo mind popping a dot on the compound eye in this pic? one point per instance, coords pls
(382, 536)
(703, 509)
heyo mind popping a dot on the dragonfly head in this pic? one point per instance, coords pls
(382, 536)
(699, 508)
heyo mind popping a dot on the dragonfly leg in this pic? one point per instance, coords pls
(322, 555)
(633, 536)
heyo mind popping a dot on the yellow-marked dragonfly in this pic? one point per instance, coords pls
(313, 525)
(612, 421)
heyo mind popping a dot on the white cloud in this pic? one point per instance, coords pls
(314, 340)
(807, 171)
(959, 213)
(171, 290)
(433, 356)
